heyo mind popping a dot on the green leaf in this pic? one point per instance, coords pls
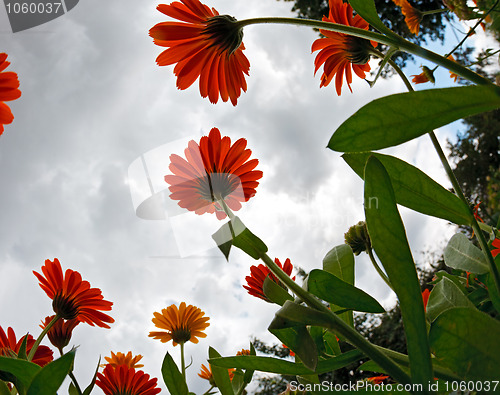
(414, 189)
(221, 375)
(90, 387)
(172, 377)
(468, 342)
(333, 290)
(339, 261)
(461, 254)
(23, 370)
(4, 390)
(331, 343)
(366, 9)
(281, 366)
(48, 379)
(388, 238)
(297, 339)
(445, 295)
(398, 118)
(22, 350)
(274, 292)
(247, 378)
(236, 233)
(72, 389)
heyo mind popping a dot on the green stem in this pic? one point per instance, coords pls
(393, 41)
(42, 335)
(458, 190)
(343, 329)
(439, 11)
(183, 363)
(208, 391)
(378, 269)
(72, 377)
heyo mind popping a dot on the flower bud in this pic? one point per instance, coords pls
(357, 238)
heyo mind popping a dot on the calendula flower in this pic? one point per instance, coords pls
(495, 243)
(425, 76)
(72, 297)
(452, 74)
(203, 44)
(123, 359)
(413, 17)
(259, 273)
(9, 91)
(340, 53)
(425, 297)
(60, 332)
(124, 380)
(213, 170)
(243, 352)
(206, 374)
(377, 379)
(290, 352)
(182, 324)
(10, 346)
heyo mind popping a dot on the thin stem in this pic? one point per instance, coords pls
(42, 335)
(458, 190)
(378, 269)
(72, 377)
(208, 391)
(430, 12)
(392, 41)
(183, 363)
(343, 329)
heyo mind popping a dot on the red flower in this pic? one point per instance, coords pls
(425, 297)
(72, 297)
(60, 333)
(213, 170)
(9, 345)
(8, 91)
(259, 273)
(205, 45)
(377, 379)
(495, 243)
(425, 76)
(125, 380)
(340, 53)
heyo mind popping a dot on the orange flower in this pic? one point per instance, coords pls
(206, 374)
(413, 17)
(290, 352)
(121, 359)
(213, 170)
(377, 379)
(425, 297)
(340, 53)
(454, 76)
(126, 380)
(9, 347)
(72, 297)
(8, 91)
(60, 332)
(205, 45)
(243, 352)
(425, 76)
(495, 243)
(182, 324)
(259, 273)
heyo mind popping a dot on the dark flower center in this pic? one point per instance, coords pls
(358, 50)
(181, 335)
(64, 307)
(215, 186)
(224, 33)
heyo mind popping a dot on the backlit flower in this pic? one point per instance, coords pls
(206, 374)
(259, 273)
(123, 359)
(213, 170)
(124, 380)
(452, 74)
(425, 297)
(9, 85)
(377, 379)
(60, 332)
(10, 346)
(182, 324)
(413, 17)
(495, 243)
(204, 44)
(340, 53)
(425, 76)
(243, 352)
(72, 297)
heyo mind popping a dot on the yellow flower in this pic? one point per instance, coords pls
(182, 324)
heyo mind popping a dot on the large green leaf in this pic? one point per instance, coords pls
(23, 370)
(339, 261)
(48, 379)
(366, 9)
(281, 366)
(446, 295)
(388, 238)
(172, 377)
(4, 390)
(220, 375)
(398, 118)
(415, 189)
(461, 254)
(468, 342)
(333, 290)
(274, 292)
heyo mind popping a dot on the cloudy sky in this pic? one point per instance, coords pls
(94, 103)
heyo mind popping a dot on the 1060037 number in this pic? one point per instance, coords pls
(33, 8)
(471, 386)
